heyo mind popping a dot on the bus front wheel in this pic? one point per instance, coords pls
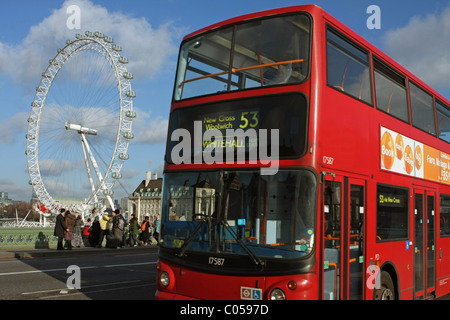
(387, 290)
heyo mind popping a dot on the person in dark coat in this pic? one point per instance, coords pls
(94, 233)
(118, 226)
(70, 223)
(146, 231)
(60, 229)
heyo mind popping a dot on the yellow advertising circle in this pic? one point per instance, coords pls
(387, 150)
(399, 146)
(409, 159)
(418, 157)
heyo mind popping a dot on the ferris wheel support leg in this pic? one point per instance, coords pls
(88, 168)
(95, 165)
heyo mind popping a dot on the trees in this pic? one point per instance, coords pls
(22, 208)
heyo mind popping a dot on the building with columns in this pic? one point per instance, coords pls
(146, 199)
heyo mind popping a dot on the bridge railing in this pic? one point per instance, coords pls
(26, 238)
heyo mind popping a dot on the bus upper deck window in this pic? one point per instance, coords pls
(390, 91)
(443, 119)
(348, 67)
(258, 53)
(422, 109)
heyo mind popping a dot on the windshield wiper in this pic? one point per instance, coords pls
(256, 260)
(183, 248)
(222, 218)
(220, 222)
(189, 240)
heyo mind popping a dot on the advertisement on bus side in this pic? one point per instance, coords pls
(401, 154)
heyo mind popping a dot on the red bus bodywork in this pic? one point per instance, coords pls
(343, 142)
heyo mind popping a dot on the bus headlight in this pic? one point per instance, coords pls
(277, 294)
(164, 279)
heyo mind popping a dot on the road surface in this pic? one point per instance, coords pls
(107, 274)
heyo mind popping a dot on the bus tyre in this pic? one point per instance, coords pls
(387, 290)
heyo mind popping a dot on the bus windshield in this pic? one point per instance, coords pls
(240, 212)
(258, 53)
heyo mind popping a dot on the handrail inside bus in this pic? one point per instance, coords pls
(332, 264)
(234, 70)
(267, 65)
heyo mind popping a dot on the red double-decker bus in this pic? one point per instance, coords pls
(302, 163)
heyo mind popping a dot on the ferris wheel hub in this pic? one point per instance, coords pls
(80, 129)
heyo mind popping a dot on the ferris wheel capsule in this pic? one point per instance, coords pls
(98, 205)
(123, 60)
(130, 114)
(124, 156)
(116, 175)
(108, 39)
(128, 135)
(131, 94)
(127, 75)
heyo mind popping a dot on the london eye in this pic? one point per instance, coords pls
(80, 125)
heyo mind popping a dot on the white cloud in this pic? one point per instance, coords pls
(13, 128)
(148, 130)
(129, 174)
(54, 168)
(61, 190)
(154, 132)
(423, 48)
(147, 48)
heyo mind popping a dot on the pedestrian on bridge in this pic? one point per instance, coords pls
(104, 228)
(134, 231)
(157, 228)
(70, 223)
(118, 226)
(146, 231)
(60, 228)
(77, 229)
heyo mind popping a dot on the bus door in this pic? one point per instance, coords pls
(424, 242)
(343, 215)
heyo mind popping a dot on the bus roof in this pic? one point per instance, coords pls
(317, 11)
(254, 15)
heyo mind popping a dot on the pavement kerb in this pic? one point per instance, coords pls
(7, 254)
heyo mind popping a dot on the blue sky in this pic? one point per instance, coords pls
(415, 33)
